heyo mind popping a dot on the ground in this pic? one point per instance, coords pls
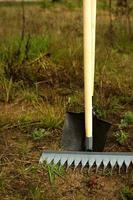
(46, 80)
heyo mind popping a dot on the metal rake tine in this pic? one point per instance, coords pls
(127, 163)
(98, 164)
(84, 161)
(120, 163)
(57, 159)
(63, 161)
(112, 163)
(105, 163)
(76, 162)
(41, 160)
(69, 162)
(48, 158)
(91, 163)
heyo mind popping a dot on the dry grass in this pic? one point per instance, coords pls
(49, 84)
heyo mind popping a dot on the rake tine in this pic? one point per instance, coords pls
(49, 159)
(91, 163)
(98, 164)
(127, 163)
(120, 164)
(57, 159)
(113, 164)
(76, 162)
(63, 161)
(105, 164)
(69, 162)
(84, 161)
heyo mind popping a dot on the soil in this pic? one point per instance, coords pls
(21, 175)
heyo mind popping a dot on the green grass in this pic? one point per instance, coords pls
(72, 5)
(14, 52)
(55, 170)
(32, 119)
(103, 4)
(127, 193)
(39, 45)
(29, 95)
(18, 4)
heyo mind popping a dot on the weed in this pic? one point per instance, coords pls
(127, 193)
(38, 134)
(100, 112)
(127, 119)
(123, 124)
(121, 137)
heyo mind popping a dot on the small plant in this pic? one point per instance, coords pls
(55, 170)
(127, 193)
(38, 134)
(128, 118)
(121, 137)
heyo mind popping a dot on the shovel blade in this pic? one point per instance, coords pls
(73, 138)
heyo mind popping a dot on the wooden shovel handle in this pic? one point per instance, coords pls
(89, 20)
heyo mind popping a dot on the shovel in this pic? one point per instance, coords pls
(85, 131)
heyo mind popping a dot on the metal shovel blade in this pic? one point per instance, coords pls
(73, 138)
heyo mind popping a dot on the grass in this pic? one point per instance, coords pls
(127, 193)
(48, 82)
(72, 5)
(55, 170)
(29, 95)
(7, 86)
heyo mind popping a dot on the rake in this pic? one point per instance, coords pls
(84, 134)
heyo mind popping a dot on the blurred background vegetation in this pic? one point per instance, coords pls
(41, 77)
(42, 44)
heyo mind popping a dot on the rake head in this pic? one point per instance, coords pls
(89, 159)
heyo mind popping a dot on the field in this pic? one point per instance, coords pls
(41, 78)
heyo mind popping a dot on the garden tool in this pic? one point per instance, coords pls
(81, 130)
(84, 134)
